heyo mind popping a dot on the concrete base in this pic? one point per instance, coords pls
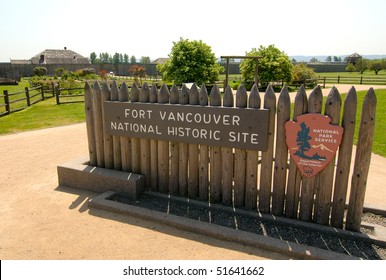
(78, 174)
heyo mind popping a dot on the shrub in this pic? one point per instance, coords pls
(301, 74)
(40, 71)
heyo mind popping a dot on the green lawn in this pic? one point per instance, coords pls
(42, 115)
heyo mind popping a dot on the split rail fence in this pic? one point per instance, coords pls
(268, 181)
(17, 101)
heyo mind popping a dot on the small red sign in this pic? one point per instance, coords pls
(312, 142)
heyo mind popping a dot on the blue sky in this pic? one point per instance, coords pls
(149, 27)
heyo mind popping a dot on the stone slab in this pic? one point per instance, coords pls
(78, 174)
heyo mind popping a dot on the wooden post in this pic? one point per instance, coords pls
(135, 142)
(240, 155)
(145, 143)
(326, 176)
(344, 159)
(57, 93)
(338, 79)
(362, 162)
(267, 156)
(153, 94)
(307, 192)
(174, 154)
(98, 124)
(183, 155)
(294, 176)
(89, 112)
(108, 139)
(193, 152)
(204, 155)
(251, 176)
(227, 158)
(116, 139)
(163, 149)
(27, 96)
(6, 101)
(281, 158)
(42, 92)
(215, 154)
(125, 142)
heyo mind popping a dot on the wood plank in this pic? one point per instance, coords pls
(193, 152)
(240, 156)
(125, 142)
(107, 139)
(163, 149)
(215, 154)
(267, 156)
(294, 176)
(307, 193)
(116, 139)
(135, 142)
(344, 159)
(153, 95)
(98, 121)
(281, 153)
(145, 143)
(183, 154)
(227, 158)
(174, 153)
(251, 177)
(88, 107)
(362, 162)
(326, 176)
(204, 155)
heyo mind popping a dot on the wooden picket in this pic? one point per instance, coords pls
(268, 181)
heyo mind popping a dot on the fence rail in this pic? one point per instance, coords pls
(267, 181)
(361, 80)
(17, 101)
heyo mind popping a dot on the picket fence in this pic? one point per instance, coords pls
(268, 181)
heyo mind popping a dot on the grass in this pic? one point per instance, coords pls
(42, 115)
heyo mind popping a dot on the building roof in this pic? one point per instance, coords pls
(59, 57)
(160, 60)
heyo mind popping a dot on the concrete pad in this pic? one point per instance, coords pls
(78, 174)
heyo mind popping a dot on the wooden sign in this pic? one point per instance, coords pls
(312, 142)
(242, 128)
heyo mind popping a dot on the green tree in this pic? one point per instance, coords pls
(377, 65)
(126, 58)
(350, 68)
(145, 60)
(93, 57)
(362, 65)
(190, 61)
(274, 65)
(301, 74)
(314, 60)
(329, 58)
(337, 59)
(133, 60)
(116, 58)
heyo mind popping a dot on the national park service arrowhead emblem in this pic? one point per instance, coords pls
(312, 142)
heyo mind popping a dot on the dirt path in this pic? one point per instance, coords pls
(41, 221)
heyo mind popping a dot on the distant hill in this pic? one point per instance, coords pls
(322, 58)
